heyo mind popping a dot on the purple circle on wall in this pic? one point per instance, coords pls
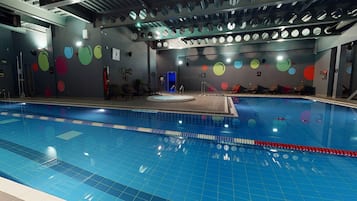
(61, 65)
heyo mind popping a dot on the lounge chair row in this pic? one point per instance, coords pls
(274, 89)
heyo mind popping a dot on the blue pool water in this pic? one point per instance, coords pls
(81, 162)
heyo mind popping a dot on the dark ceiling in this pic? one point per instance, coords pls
(183, 24)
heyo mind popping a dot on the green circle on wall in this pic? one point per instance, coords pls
(98, 52)
(219, 68)
(85, 55)
(283, 65)
(43, 61)
(254, 63)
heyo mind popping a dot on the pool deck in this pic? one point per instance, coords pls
(12, 191)
(209, 103)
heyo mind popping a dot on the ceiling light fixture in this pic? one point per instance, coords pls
(322, 15)
(231, 25)
(307, 17)
(337, 13)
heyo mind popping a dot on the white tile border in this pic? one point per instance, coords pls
(24, 192)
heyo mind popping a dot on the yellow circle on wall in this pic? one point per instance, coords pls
(43, 61)
(254, 63)
(98, 52)
(219, 68)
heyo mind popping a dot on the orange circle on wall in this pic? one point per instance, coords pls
(61, 86)
(224, 85)
(204, 67)
(309, 72)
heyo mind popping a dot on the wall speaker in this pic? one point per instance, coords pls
(85, 34)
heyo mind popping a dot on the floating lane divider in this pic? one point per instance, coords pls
(222, 139)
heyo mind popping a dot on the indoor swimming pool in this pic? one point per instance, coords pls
(85, 153)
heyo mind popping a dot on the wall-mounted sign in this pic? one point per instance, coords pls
(116, 54)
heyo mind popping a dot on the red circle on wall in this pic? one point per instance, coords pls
(61, 65)
(224, 85)
(204, 67)
(35, 67)
(309, 72)
(61, 86)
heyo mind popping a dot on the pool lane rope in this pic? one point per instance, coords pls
(221, 139)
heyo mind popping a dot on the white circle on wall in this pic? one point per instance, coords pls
(165, 44)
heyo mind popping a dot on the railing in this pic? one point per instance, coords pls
(352, 95)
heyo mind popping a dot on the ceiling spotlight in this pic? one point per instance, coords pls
(228, 60)
(278, 21)
(284, 34)
(238, 38)
(203, 4)
(220, 27)
(214, 40)
(190, 6)
(218, 3)
(244, 25)
(267, 21)
(142, 14)
(210, 27)
(254, 22)
(295, 33)
(231, 25)
(150, 35)
(307, 17)
(246, 37)
(279, 5)
(166, 44)
(352, 12)
(306, 32)
(178, 8)
(222, 39)
(132, 15)
(327, 30)
(316, 31)
(230, 39)
(255, 36)
(206, 40)
(293, 18)
(337, 13)
(322, 15)
(265, 35)
(275, 35)
(159, 44)
(153, 13)
(233, 2)
(280, 57)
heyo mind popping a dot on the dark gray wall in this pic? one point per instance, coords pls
(80, 80)
(87, 80)
(301, 54)
(7, 61)
(323, 62)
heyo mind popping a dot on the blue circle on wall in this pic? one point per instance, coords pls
(238, 64)
(292, 71)
(68, 52)
(349, 69)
